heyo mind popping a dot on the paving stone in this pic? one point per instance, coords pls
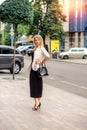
(60, 110)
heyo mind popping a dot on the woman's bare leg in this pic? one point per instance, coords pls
(36, 102)
(39, 99)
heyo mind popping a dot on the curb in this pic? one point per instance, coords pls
(76, 61)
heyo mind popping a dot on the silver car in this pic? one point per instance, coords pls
(7, 59)
(24, 49)
(74, 53)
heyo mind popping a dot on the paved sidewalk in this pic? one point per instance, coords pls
(60, 110)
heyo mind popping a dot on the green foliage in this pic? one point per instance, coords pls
(57, 10)
(38, 16)
(23, 29)
(16, 12)
(7, 39)
(52, 26)
(50, 21)
(7, 35)
(33, 20)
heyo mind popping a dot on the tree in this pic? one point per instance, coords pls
(52, 22)
(38, 15)
(48, 22)
(16, 12)
(23, 29)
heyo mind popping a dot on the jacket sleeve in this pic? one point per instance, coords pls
(45, 53)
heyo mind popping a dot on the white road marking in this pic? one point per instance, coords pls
(74, 84)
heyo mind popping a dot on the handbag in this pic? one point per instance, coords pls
(42, 70)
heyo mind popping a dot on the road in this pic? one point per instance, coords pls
(63, 75)
(67, 76)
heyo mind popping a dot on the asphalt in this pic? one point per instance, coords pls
(60, 110)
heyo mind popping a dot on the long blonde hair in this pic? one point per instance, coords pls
(40, 38)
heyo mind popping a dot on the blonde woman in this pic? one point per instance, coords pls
(39, 56)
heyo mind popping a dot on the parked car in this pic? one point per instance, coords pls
(20, 47)
(23, 43)
(30, 50)
(74, 53)
(24, 49)
(7, 59)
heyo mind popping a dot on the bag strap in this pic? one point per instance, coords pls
(42, 65)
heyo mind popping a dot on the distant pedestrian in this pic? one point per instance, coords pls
(39, 56)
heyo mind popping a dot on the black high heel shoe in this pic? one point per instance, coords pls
(38, 107)
(33, 107)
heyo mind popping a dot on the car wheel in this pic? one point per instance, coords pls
(85, 57)
(17, 68)
(66, 57)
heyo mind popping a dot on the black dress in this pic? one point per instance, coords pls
(36, 84)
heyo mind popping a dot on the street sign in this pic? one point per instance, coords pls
(12, 33)
(12, 37)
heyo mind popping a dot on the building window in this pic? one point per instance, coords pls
(71, 39)
(79, 37)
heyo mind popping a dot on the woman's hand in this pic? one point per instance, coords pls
(37, 61)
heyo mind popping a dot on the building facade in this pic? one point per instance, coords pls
(76, 25)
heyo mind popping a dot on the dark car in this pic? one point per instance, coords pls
(7, 59)
(30, 50)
